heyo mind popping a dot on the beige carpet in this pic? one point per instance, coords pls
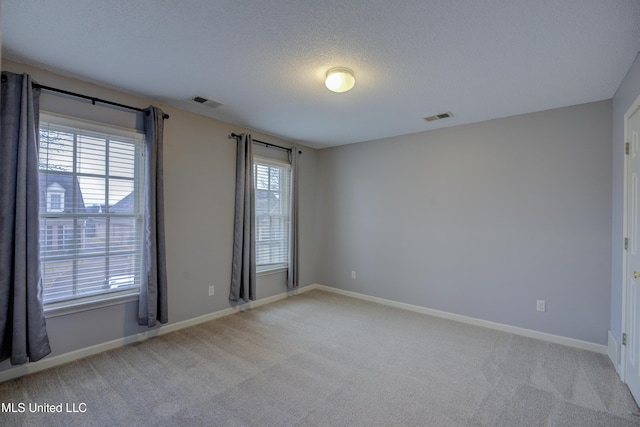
(321, 359)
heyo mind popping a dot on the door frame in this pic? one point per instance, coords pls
(625, 228)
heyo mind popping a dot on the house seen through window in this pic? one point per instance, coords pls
(91, 216)
(272, 208)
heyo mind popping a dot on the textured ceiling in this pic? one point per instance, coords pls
(266, 60)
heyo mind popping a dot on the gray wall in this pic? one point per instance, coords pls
(199, 204)
(479, 220)
(626, 95)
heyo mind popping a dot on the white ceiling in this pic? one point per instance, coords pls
(266, 60)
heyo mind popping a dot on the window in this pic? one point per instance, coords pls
(91, 216)
(55, 198)
(55, 202)
(271, 182)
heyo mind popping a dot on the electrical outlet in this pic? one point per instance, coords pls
(353, 274)
(541, 305)
(211, 290)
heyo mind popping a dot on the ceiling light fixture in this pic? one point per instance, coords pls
(340, 80)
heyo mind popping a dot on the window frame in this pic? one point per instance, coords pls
(275, 267)
(111, 296)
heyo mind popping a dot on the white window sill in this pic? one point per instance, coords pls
(69, 307)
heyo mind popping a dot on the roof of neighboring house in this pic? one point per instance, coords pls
(124, 206)
(68, 183)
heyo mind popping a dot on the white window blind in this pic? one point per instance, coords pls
(91, 216)
(272, 209)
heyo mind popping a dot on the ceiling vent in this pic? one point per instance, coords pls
(208, 102)
(439, 116)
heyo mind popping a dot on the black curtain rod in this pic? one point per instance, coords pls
(91, 98)
(266, 144)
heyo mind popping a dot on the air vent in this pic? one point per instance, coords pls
(208, 102)
(438, 116)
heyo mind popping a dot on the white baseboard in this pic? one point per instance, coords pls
(557, 339)
(613, 351)
(61, 359)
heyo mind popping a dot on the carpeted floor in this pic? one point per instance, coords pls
(321, 359)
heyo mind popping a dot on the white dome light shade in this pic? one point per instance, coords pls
(340, 80)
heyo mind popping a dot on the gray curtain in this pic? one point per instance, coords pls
(243, 268)
(153, 290)
(293, 273)
(23, 334)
